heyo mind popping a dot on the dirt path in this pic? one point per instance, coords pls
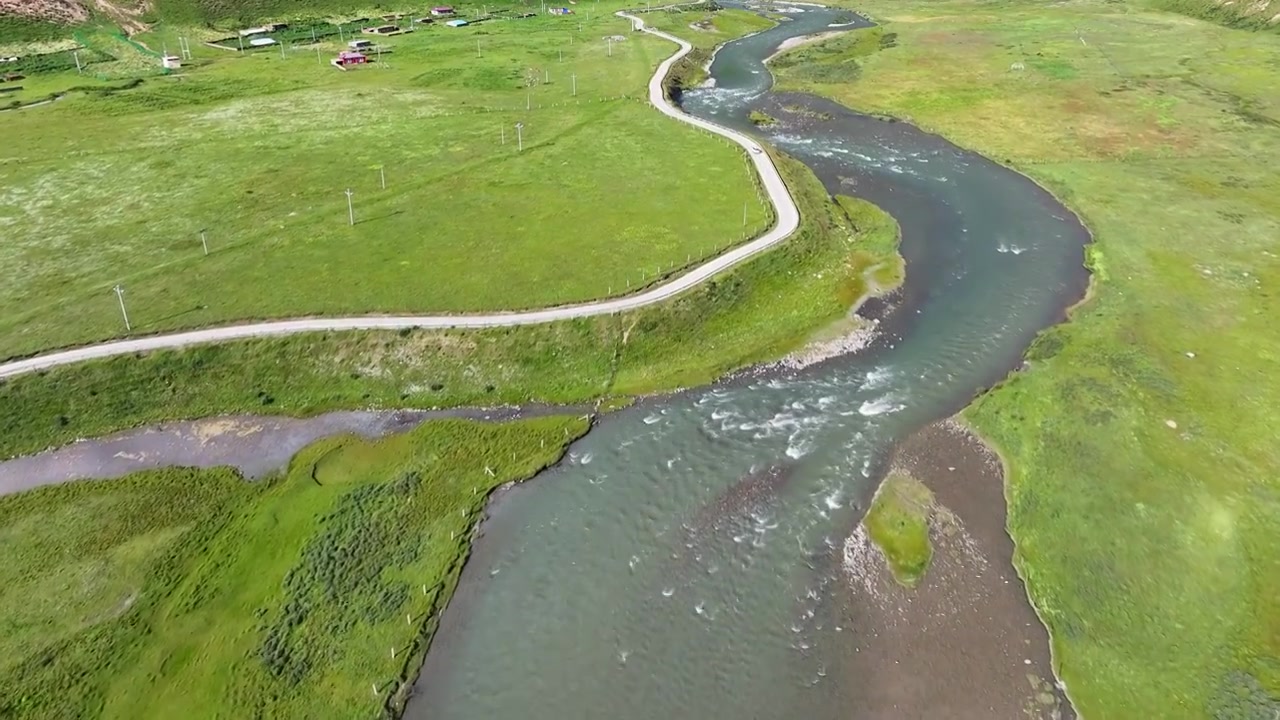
(966, 643)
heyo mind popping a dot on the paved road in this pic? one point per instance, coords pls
(788, 219)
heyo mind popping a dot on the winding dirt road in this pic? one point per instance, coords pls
(788, 219)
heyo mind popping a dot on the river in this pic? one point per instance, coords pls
(685, 560)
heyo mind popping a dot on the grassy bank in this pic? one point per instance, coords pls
(756, 312)
(1142, 489)
(898, 523)
(115, 184)
(194, 594)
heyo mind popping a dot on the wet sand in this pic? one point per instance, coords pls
(966, 642)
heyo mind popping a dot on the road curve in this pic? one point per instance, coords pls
(788, 219)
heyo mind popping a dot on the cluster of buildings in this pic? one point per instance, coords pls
(357, 50)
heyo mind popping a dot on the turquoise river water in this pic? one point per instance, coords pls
(685, 560)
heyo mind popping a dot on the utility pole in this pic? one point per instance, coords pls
(281, 51)
(204, 242)
(610, 41)
(503, 130)
(546, 77)
(318, 60)
(744, 214)
(120, 296)
(528, 101)
(241, 43)
(574, 79)
(382, 173)
(519, 137)
(477, 48)
(79, 67)
(351, 213)
(562, 52)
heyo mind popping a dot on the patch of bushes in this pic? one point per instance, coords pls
(341, 578)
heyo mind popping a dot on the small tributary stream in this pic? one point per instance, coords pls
(684, 560)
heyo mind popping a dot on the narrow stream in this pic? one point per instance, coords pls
(685, 560)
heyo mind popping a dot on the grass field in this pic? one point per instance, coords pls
(756, 312)
(114, 187)
(184, 593)
(898, 523)
(1143, 486)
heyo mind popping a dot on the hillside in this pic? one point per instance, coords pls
(1243, 14)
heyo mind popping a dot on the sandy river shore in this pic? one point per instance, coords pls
(966, 642)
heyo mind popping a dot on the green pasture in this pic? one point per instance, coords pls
(898, 523)
(1143, 482)
(705, 29)
(114, 187)
(754, 313)
(186, 593)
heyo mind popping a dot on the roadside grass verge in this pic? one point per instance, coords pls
(1142, 486)
(898, 523)
(193, 593)
(756, 312)
(115, 186)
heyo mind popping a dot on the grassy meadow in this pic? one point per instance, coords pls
(1143, 469)
(898, 523)
(188, 593)
(107, 187)
(756, 312)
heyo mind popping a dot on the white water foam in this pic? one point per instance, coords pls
(878, 378)
(880, 406)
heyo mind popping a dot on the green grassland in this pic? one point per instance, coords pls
(185, 593)
(756, 312)
(114, 187)
(898, 523)
(705, 29)
(1143, 491)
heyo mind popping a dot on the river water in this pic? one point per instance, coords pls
(685, 560)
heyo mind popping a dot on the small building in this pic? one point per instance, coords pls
(262, 42)
(381, 30)
(456, 23)
(442, 11)
(560, 11)
(358, 45)
(351, 58)
(171, 62)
